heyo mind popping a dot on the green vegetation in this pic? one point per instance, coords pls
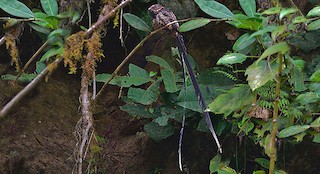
(278, 101)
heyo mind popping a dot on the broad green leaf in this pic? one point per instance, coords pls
(170, 80)
(225, 169)
(160, 61)
(277, 32)
(40, 66)
(316, 138)
(282, 47)
(136, 22)
(233, 100)
(136, 71)
(314, 12)
(50, 7)
(287, 11)
(259, 172)
(193, 24)
(271, 11)
(263, 162)
(308, 97)
(16, 8)
(157, 132)
(39, 28)
(53, 22)
(315, 87)
(105, 77)
(299, 137)
(40, 19)
(231, 58)
(190, 100)
(57, 35)
(139, 110)
(299, 19)
(316, 122)
(244, 22)
(315, 25)
(162, 121)
(243, 42)
(54, 51)
(138, 76)
(214, 9)
(259, 74)
(292, 130)
(248, 6)
(298, 80)
(214, 164)
(246, 127)
(266, 145)
(145, 97)
(264, 30)
(299, 63)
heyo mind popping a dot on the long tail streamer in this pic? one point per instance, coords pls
(187, 68)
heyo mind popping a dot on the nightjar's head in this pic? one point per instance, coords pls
(155, 9)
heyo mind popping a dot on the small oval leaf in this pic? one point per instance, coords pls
(214, 163)
(292, 130)
(315, 25)
(214, 9)
(287, 11)
(52, 52)
(193, 24)
(315, 77)
(50, 7)
(232, 58)
(16, 8)
(282, 47)
(248, 6)
(243, 42)
(136, 22)
(271, 11)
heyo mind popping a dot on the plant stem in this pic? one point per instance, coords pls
(43, 46)
(273, 150)
(5, 110)
(135, 49)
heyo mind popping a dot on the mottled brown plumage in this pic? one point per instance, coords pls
(162, 16)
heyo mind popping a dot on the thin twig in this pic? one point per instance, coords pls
(135, 49)
(5, 110)
(106, 17)
(35, 81)
(32, 59)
